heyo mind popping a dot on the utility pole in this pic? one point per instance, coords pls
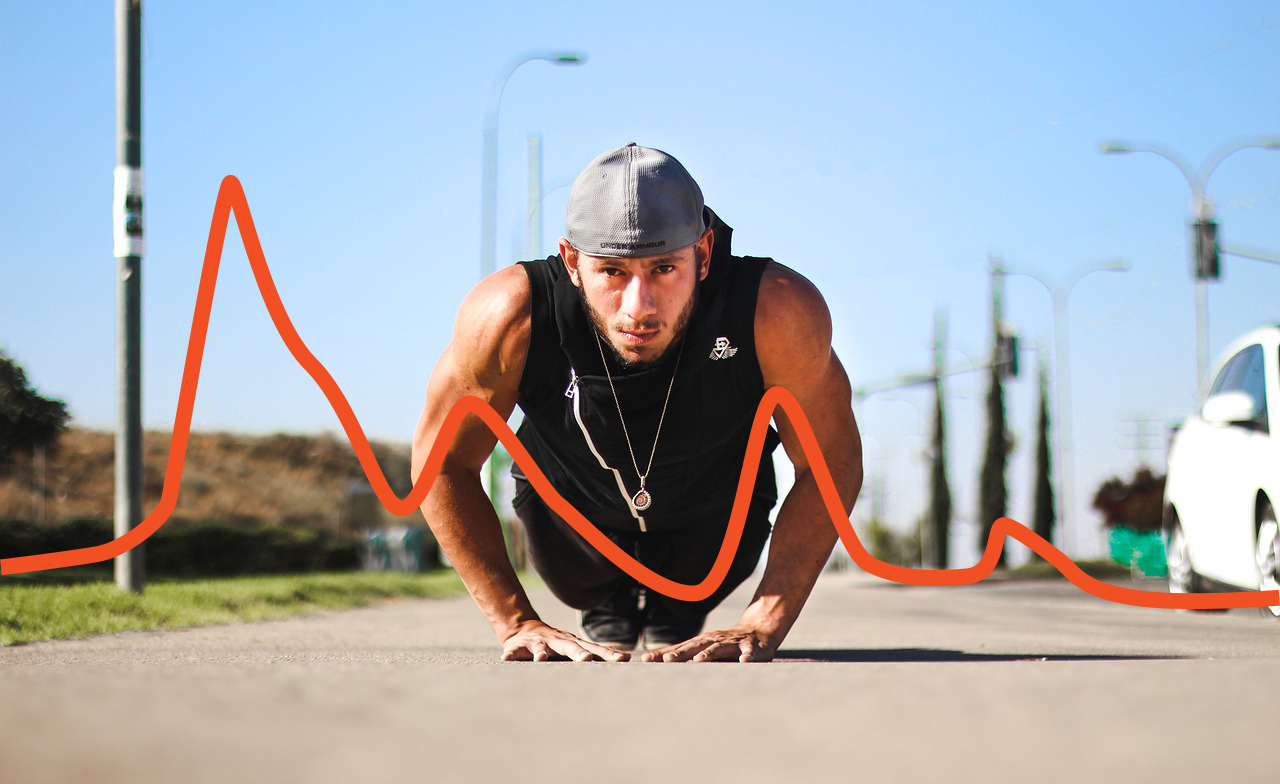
(489, 167)
(128, 241)
(534, 233)
(1205, 242)
(1062, 429)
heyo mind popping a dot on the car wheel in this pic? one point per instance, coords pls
(1268, 556)
(1181, 578)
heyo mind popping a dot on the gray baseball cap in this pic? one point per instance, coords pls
(634, 202)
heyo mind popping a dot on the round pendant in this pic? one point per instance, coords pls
(642, 500)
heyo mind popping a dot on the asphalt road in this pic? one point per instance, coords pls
(1004, 681)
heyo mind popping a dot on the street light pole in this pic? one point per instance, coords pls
(489, 200)
(533, 231)
(1204, 227)
(1063, 442)
(128, 248)
(489, 205)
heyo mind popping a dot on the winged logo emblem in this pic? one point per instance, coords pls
(722, 349)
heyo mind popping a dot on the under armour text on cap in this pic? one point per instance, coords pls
(634, 202)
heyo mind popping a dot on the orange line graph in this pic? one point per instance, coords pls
(231, 197)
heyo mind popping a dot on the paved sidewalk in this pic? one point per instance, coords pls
(1010, 681)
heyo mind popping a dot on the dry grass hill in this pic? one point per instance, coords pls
(281, 478)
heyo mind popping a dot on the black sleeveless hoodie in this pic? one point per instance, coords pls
(571, 425)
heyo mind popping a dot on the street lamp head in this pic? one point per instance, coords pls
(489, 198)
(1118, 265)
(1270, 143)
(1114, 148)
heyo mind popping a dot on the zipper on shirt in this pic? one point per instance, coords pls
(572, 393)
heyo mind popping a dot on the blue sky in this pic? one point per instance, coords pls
(882, 149)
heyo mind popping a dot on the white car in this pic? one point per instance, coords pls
(1223, 481)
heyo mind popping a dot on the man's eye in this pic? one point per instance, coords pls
(612, 272)
(665, 269)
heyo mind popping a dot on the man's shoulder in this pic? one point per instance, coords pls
(500, 301)
(792, 324)
(787, 299)
(493, 323)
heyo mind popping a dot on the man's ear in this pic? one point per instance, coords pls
(569, 255)
(702, 252)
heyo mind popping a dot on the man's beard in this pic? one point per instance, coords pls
(682, 326)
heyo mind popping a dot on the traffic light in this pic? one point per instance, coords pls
(1206, 250)
(1008, 355)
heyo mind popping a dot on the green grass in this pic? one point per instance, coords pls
(31, 611)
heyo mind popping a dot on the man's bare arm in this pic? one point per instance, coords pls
(486, 358)
(793, 342)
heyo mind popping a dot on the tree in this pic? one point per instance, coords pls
(1044, 516)
(940, 506)
(892, 548)
(27, 420)
(993, 492)
(939, 515)
(993, 496)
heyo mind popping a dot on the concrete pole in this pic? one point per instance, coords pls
(1060, 413)
(1202, 209)
(489, 165)
(1060, 436)
(128, 241)
(1202, 334)
(534, 233)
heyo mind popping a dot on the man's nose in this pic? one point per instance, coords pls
(638, 301)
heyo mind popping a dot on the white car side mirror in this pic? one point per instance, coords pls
(1227, 408)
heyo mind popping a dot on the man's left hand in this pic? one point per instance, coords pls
(736, 644)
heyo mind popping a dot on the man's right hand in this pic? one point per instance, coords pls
(536, 641)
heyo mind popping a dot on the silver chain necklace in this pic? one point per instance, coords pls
(642, 500)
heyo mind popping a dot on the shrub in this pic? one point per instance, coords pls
(1136, 504)
(207, 548)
